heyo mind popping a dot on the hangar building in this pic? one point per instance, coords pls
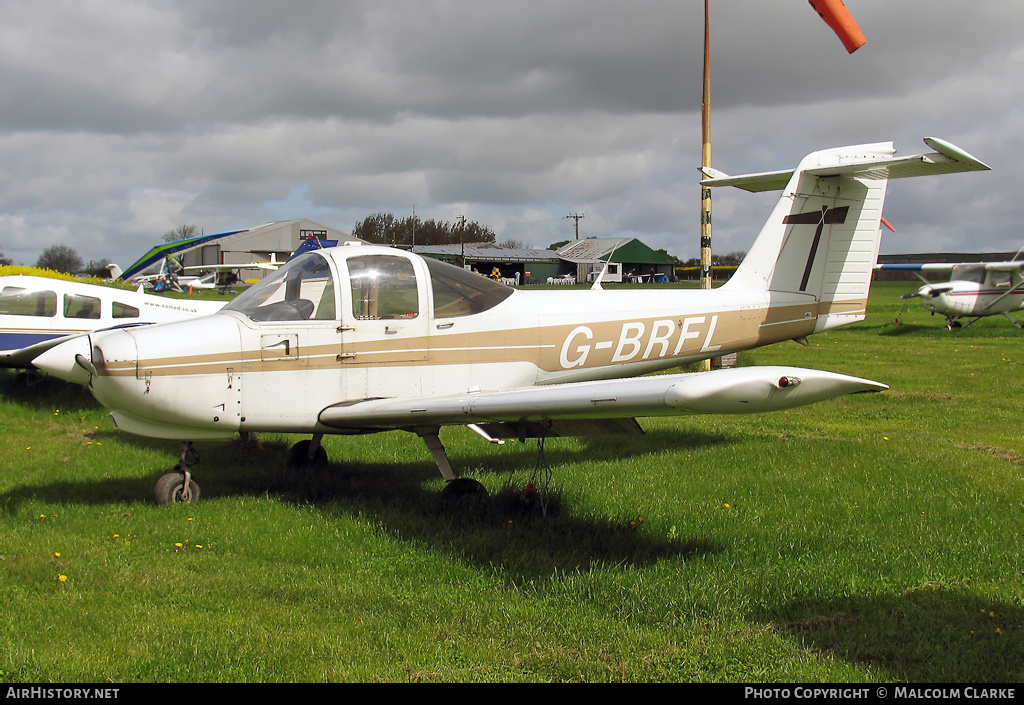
(276, 240)
(519, 266)
(636, 261)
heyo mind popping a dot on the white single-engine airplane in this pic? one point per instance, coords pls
(974, 290)
(37, 313)
(360, 339)
(223, 276)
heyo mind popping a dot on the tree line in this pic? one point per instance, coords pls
(380, 228)
(386, 229)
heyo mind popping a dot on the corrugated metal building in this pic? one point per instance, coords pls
(523, 266)
(277, 239)
(637, 261)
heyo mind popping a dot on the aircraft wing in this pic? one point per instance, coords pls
(922, 267)
(946, 159)
(232, 267)
(737, 390)
(1013, 266)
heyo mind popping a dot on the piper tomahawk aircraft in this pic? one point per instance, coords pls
(974, 290)
(37, 313)
(359, 339)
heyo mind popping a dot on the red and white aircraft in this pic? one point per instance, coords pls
(975, 290)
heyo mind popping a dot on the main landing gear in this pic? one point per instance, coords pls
(457, 487)
(308, 455)
(177, 486)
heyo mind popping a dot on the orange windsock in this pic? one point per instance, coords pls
(837, 17)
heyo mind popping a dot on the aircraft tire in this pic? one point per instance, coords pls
(298, 457)
(464, 487)
(170, 489)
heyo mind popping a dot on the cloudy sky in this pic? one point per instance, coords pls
(120, 120)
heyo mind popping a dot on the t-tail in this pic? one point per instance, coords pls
(822, 238)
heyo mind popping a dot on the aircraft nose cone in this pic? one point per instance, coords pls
(70, 361)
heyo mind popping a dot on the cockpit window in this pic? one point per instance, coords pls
(303, 289)
(383, 286)
(970, 273)
(15, 301)
(459, 292)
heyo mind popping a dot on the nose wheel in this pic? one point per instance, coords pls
(177, 486)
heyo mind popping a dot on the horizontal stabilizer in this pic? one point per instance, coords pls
(740, 390)
(946, 159)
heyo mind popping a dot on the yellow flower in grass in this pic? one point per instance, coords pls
(62, 578)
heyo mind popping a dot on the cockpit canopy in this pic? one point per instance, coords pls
(370, 286)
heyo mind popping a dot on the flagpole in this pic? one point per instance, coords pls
(705, 192)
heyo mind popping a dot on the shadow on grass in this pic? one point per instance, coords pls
(525, 538)
(35, 391)
(893, 330)
(931, 634)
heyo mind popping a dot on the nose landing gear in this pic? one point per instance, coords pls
(178, 486)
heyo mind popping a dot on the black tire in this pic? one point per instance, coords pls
(170, 489)
(298, 457)
(464, 487)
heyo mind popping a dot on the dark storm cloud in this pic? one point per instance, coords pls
(119, 120)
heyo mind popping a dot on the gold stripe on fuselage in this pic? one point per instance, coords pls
(557, 348)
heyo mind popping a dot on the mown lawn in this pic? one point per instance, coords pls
(870, 538)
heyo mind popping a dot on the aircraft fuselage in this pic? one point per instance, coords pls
(247, 374)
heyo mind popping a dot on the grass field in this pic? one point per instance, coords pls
(870, 538)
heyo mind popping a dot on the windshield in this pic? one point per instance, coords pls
(459, 292)
(970, 273)
(303, 289)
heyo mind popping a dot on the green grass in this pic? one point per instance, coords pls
(869, 538)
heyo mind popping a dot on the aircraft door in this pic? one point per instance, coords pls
(384, 326)
(291, 341)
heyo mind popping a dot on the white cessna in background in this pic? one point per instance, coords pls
(37, 313)
(361, 339)
(975, 289)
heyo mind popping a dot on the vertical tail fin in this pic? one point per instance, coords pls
(822, 237)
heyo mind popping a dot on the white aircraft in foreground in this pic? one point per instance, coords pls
(37, 313)
(360, 339)
(974, 290)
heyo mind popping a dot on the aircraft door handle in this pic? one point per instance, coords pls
(287, 346)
